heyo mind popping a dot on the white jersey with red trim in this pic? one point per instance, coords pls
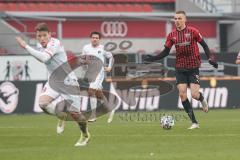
(98, 51)
(58, 58)
(57, 53)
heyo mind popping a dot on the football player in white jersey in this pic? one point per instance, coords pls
(97, 50)
(50, 52)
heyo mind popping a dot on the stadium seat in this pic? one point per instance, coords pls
(137, 8)
(41, 7)
(129, 8)
(77, 7)
(147, 8)
(120, 7)
(101, 7)
(63, 7)
(73, 7)
(3, 6)
(12, 7)
(81, 7)
(32, 7)
(110, 7)
(23, 7)
(91, 7)
(51, 6)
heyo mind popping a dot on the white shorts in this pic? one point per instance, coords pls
(83, 72)
(74, 99)
(97, 84)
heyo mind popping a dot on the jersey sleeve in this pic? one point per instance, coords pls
(107, 54)
(110, 58)
(169, 42)
(197, 35)
(53, 47)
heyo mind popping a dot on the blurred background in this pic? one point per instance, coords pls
(131, 29)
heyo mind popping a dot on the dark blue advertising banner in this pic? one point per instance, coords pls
(132, 95)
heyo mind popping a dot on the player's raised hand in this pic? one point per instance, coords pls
(213, 63)
(107, 69)
(21, 42)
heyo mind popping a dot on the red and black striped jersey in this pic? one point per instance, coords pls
(187, 51)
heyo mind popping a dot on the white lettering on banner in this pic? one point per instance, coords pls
(135, 99)
(36, 108)
(221, 97)
(114, 29)
(8, 97)
(216, 98)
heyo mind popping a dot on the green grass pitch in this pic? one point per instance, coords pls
(128, 137)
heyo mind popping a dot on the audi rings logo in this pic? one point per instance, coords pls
(114, 29)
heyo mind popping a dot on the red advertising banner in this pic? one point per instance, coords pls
(118, 29)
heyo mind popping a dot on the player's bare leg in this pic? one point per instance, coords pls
(182, 88)
(97, 94)
(93, 103)
(105, 107)
(45, 102)
(198, 96)
(82, 123)
(111, 114)
(62, 115)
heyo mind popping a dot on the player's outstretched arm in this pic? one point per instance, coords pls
(109, 56)
(43, 57)
(207, 52)
(161, 55)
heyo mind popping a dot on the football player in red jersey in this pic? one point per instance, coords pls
(185, 39)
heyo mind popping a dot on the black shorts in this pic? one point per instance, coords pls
(187, 76)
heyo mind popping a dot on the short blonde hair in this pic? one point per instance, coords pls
(180, 12)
